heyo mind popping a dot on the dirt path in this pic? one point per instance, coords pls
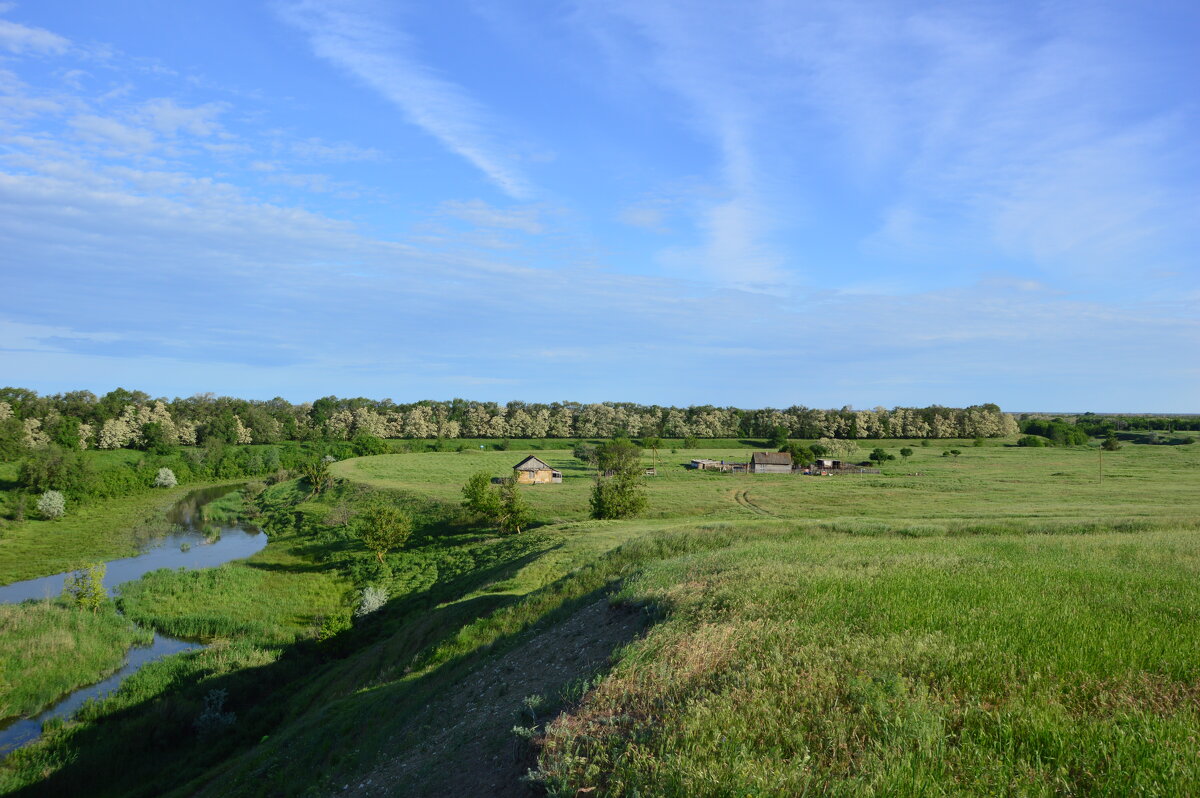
(472, 751)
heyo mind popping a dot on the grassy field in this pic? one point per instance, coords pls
(994, 623)
(992, 484)
(92, 533)
(811, 664)
(47, 650)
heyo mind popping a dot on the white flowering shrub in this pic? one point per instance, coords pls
(51, 504)
(371, 599)
(165, 478)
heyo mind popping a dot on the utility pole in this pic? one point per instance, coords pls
(1101, 451)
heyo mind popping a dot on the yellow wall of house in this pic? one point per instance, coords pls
(534, 477)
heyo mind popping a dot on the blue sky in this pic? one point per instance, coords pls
(757, 203)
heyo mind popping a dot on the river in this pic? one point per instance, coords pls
(186, 546)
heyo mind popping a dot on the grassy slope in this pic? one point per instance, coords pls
(831, 665)
(460, 598)
(47, 650)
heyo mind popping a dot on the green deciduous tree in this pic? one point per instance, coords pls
(618, 455)
(383, 528)
(316, 474)
(618, 496)
(906, 452)
(801, 454)
(85, 588)
(479, 498)
(514, 513)
(880, 456)
(779, 437)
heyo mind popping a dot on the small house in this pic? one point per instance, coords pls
(771, 463)
(532, 471)
(827, 465)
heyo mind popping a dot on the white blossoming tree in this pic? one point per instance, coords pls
(52, 504)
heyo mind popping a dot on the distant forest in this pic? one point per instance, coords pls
(132, 419)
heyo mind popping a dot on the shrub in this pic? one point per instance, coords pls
(51, 504)
(365, 445)
(334, 625)
(85, 588)
(621, 496)
(880, 456)
(371, 599)
(165, 478)
(214, 719)
(1031, 440)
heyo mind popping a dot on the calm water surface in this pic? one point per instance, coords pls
(202, 551)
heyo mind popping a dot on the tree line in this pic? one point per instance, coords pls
(133, 419)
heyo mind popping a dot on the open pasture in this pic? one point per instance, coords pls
(995, 484)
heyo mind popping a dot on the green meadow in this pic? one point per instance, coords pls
(991, 484)
(48, 648)
(1002, 621)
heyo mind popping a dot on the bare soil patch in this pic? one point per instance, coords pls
(470, 748)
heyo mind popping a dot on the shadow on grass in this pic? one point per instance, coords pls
(154, 747)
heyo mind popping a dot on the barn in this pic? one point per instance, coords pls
(532, 471)
(771, 463)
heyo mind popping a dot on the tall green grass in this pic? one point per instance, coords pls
(48, 649)
(844, 666)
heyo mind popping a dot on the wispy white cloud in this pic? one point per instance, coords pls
(314, 149)
(20, 39)
(111, 133)
(169, 118)
(478, 212)
(704, 63)
(1024, 134)
(354, 37)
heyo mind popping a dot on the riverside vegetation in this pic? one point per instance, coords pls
(1001, 621)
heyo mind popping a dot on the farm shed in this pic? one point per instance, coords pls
(532, 471)
(717, 465)
(771, 463)
(827, 465)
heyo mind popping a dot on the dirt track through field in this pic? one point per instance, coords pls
(742, 497)
(470, 749)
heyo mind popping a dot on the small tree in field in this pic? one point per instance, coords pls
(514, 513)
(880, 456)
(906, 453)
(479, 499)
(316, 473)
(383, 528)
(165, 478)
(85, 588)
(619, 496)
(619, 454)
(51, 505)
(1110, 443)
